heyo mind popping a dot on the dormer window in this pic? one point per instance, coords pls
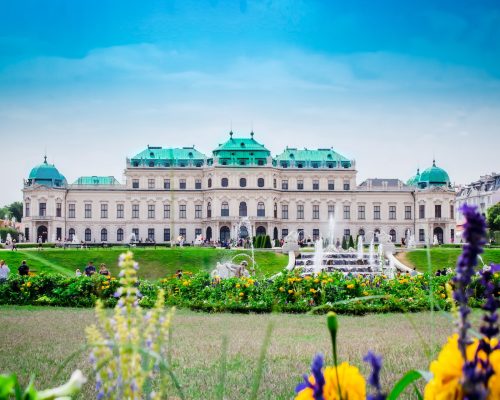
(135, 164)
(242, 144)
(151, 155)
(300, 165)
(151, 163)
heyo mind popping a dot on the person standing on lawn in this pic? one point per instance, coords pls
(4, 272)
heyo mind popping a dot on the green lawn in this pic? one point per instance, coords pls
(35, 341)
(445, 257)
(154, 263)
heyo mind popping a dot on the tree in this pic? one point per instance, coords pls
(351, 242)
(267, 242)
(16, 210)
(493, 217)
(344, 243)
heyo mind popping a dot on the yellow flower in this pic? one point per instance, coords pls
(352, 384)
(290, 291)
(242, 294)
(28, 284)
(365, 293)
(312, 290)
(316, 280)
(324, 282)
(350, 286)
(447, 371)
(282, 289)
(238, 285)
(443, 296)
(363, 284)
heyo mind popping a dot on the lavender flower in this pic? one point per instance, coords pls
(374, 378)
(319, 379)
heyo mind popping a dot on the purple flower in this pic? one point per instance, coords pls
(374, 378)
(319, 379)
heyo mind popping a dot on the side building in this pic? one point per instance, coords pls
(175, 192)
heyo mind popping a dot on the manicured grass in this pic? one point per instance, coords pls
(35, 341)
(154, 263)
(445, 257)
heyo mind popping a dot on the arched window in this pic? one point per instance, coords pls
(119, 235)
(104, 235)
(71, 234)
(243, 182)
(301, 234)
(209, 210)
(260, 182)
(261, 209)
(243, 209)
(224, 209)
(392, 234)
(224, 182)
(88, 235)
(361, 233)
(275, 210)
(376, 235)
(209, 183)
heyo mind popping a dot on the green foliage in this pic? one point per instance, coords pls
(276, 243)
(344, 243)
(286, 293)
(267, 242)
(351, 242)
(4, 231)
(14, 209)
(493, 217)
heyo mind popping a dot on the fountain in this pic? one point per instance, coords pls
(53, 238)
(198, 241)
(132, 238)
(331, 231)
(75, 240)
(435, 241)
(371, 252)
(318, 256)
(8, 239)
(360, 247)
(245, 222)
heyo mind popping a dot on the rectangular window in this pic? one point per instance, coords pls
(274, 184)
(331, 184)
(407, 212)
(347, 185)
(300, 185)
(151, 234)
(197, 232)
(182, 211)
(166, 211)
(361, 212)
(284, 185)
(151, 211)
(27, 210)
(166, 184)
(197, 184)
(347, 212)
(284, 233)
(315, 184)
(452, 235)
(120, 211)
(316, 211)
(27, 234)
(376, 212)
(182, 184)
(197, 211)
(284, 211)
(58, 209)
(315, 234)
(392, 212)
(421, 211)
(135, 232)
(104, 211)
(71, 210)
(452, 211)
(42, 209)
(59, 233)
(135, 210)
(437, 210)
(88, 210)
(151, 183)
(182, 232)
(166, 235)
(421, 235)
(300, 211)
(331, 210)
(347, 234)
(119, 235)
(135, 183)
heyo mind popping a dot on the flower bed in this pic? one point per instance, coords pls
(287, 293)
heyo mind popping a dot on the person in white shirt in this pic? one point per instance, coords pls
(4, 271)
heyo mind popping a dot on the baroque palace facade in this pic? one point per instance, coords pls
(181, 192)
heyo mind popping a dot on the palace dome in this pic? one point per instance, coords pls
(433, 176)
(46, 174)
(413, 181)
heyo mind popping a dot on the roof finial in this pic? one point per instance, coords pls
(434, 162)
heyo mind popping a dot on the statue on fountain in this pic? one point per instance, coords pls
(229, 270)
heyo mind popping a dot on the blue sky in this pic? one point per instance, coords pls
(390, 83)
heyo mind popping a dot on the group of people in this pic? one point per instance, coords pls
(90, 270)
(23, 269)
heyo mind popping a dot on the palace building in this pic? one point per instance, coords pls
(172, 192)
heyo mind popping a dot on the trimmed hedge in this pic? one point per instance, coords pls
(289, 293)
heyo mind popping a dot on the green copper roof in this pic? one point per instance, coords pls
(96, 180)
(160, 157)
(46, 174)
(433, 176)
(241, 152)
(413, 181)
(306, 158)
